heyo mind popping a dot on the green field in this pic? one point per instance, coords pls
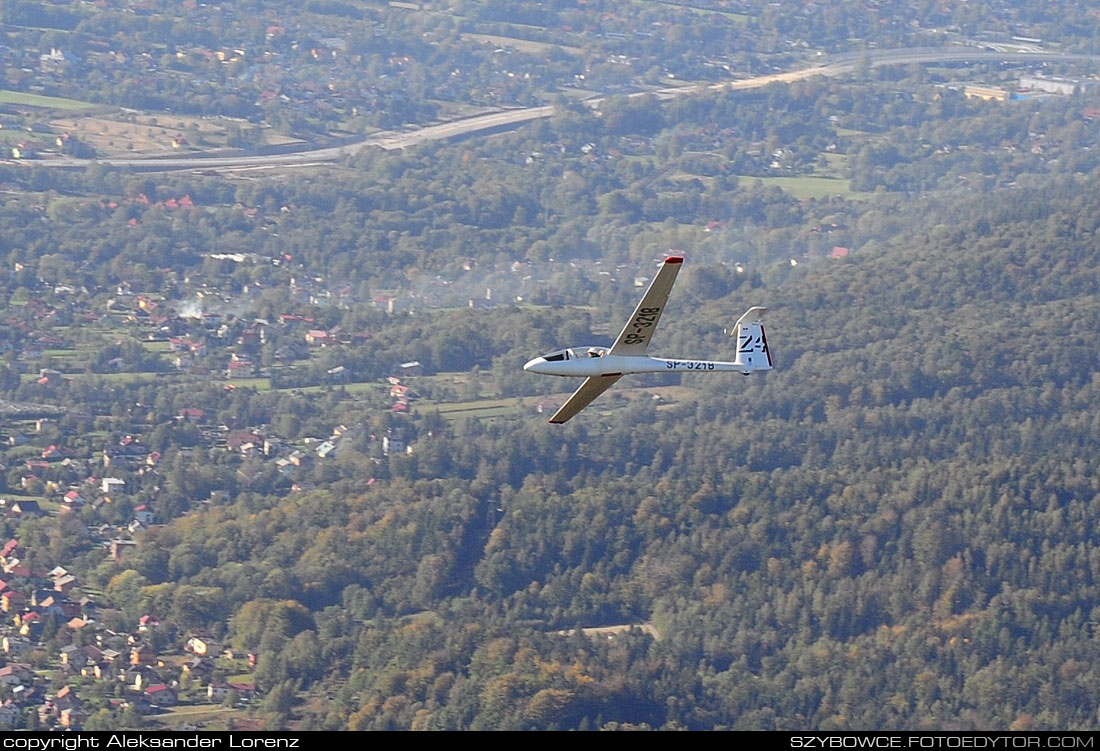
(206, 716)
(38, 100)
(260, 384)
(523, 45)
(740, 18)
(11, 137)
(480, 408)
(122, 377)
(812, 187)
(351, 388)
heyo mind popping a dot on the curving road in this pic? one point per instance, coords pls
(833, 66)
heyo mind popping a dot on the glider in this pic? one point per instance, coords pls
(602, 367)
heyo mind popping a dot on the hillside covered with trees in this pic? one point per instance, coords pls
(895, 528)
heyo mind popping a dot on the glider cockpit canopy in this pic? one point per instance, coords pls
(575, 353)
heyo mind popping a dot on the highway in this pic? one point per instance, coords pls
(833, 66)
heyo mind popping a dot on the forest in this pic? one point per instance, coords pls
(894, 529)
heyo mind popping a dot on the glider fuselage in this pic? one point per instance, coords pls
(607, 364)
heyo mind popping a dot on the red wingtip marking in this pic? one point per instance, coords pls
(674, 259)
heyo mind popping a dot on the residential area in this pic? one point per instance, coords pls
(64, 662)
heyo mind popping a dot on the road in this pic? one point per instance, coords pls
(832, 66)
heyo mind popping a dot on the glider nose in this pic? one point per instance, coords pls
(532, 366)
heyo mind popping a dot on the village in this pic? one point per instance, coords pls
(62, 663)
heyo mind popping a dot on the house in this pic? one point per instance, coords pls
(546, 406)
(66, 699)
(128, 453)
(319, 338)
(73, 657)
(142, 654)
(45, 603)
(26, 508)
(12, 601)
(143, 514)
(111, 485)
(55, 453)
(238, 439)
(24, 695)
(392, 446)
(15, 674)
(72, 717)
(160, 695)
(30, 625)
(198, 667)
(203, 644)
(217, 692)
(15, 568)
(413, 368)
(15, 646)
(141, 677)
(191, 414)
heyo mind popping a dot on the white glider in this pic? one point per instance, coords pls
(602, 367)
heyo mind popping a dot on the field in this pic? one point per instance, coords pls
(207, 717)
(485, 408)
(740, 18)
(811, 187)
(149, 135)
(39, 100)
(522, 45)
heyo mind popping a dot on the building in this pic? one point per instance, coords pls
(1052, 85)
(989, 93)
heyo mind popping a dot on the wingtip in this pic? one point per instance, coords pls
(674, 259)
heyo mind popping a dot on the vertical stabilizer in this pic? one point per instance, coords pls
(752, 343)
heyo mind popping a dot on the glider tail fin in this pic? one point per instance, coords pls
(752, 343)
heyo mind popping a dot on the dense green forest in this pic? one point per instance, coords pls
(893, 529)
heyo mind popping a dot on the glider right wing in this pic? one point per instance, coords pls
(635, 336)
(582, 397)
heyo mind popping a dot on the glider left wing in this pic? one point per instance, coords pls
(635, 336)
(582, 397)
